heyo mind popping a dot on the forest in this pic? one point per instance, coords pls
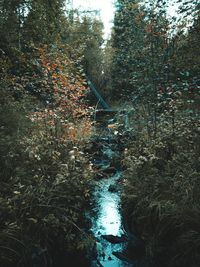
(148, 72)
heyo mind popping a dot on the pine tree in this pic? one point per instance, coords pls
(127, 40)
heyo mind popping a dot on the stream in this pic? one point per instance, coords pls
(107, 226)
(108, 221)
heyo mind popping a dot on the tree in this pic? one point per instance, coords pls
(11, 19)
(44, 22)
(140, 57)
(127, 40)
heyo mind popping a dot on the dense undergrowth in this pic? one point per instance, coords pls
(152, 62)
(45, 173)
(161, 193)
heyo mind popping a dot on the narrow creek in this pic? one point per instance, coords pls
(108, 221)
(107, 226)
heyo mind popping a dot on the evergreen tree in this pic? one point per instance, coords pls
(11, 19)
(44, 22)
(139, 42)
(127, 40)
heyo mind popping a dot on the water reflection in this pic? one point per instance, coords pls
(108, 218)
(108, 222)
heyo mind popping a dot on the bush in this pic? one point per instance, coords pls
(161, 194)
(45, 175)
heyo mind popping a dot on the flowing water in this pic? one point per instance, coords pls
(115, 245)
(107, 220)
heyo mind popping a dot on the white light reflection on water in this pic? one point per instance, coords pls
(108, 216)
(108, 222)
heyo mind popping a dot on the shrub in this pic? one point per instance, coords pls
(45, 175)
(161, 194)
